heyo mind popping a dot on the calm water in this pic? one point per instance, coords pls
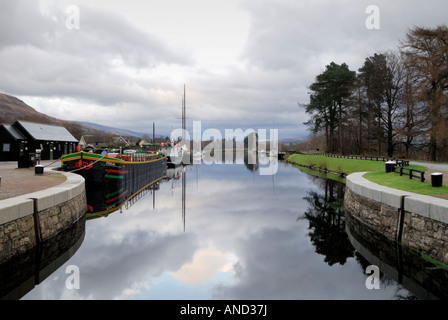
(227, 233)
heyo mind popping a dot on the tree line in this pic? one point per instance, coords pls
(396, 104)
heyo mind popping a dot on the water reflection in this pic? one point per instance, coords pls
(325, 215)
(22, 273)
(398, 263)
(224, 232)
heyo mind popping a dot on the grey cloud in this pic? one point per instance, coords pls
(291, 34)
(288, 34)
(107, 34)
(20, 24)
(40, 56)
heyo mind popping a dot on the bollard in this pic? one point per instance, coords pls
(436, 179)
(390, 166)
(38, 169)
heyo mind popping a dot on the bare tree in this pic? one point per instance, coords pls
(392, 92)
(427, 53)
(413, 120)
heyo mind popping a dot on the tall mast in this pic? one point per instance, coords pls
(183, 117)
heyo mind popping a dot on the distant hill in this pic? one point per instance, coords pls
(124, 132)
(292, 140)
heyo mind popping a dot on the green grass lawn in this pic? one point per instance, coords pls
(394, 180)
(339, 165)
(376, 173)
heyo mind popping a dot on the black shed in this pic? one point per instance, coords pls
(22, 139)
(12, 141)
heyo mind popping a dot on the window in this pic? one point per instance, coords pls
(6, 147)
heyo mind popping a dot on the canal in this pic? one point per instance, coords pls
(223, 231)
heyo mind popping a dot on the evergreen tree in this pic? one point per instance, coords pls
(328, 103)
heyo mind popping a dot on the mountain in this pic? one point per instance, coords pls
(12, 109)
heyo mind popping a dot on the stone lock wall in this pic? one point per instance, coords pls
(61, 216)
(16, 237)
(427, 235)
(29, 219)
(380, 216)
(417, 221)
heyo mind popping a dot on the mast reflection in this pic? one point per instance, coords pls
(175, 174)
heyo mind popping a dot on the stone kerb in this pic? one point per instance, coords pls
(363, 187)
(426, 206)
(22, 206)
(15, 208)
(51, 197)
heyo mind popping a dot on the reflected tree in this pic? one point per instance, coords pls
(325, 215)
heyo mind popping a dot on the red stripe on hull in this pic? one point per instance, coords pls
(116, 171)
(117, 197)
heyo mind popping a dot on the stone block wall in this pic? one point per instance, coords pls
(59, 217)
(17, 237)
(426, 235)
(380, 216)
(29, 219)
(417, 221)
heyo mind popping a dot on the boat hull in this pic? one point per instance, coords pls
(110, 182)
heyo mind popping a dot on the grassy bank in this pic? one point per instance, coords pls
(336, 165)
(376, 172)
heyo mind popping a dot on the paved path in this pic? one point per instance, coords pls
(15, 182)
(433, 167)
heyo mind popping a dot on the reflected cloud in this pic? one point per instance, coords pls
(206, 263)
(119, 268)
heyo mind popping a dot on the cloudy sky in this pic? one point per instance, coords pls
(245, 63)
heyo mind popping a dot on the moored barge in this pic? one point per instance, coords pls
(112, 179)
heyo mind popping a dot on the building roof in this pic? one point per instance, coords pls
(47, 132)
(14, 132)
